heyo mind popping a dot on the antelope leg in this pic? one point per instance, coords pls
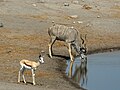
(70, 52)
(19, 77)
(22, 71)
(50, 46)
(33, 76)
(70, 70)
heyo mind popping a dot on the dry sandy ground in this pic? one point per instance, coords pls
(24, 35)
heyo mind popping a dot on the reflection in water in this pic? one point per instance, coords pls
(79, 75)
(103, 73)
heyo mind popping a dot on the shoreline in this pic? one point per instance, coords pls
(103, 50)
(89, 53)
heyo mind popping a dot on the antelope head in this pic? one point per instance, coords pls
(41, 57)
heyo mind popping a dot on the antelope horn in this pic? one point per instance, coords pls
(42, 53)
(85, 36)
(82, 39)
(85, 39)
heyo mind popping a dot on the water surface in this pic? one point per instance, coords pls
(103, 71)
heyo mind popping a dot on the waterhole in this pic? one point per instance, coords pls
(102, 71)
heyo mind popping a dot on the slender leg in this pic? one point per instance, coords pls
(24, 78)
(33, 76)
(19, 76)
(50, 45)
(22, 71)
(70, 52)
(70, 70)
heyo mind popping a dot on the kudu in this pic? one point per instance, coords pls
(69, 35)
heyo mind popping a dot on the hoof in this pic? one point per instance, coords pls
(34, 84)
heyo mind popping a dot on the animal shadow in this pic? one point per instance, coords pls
(27, 83)
(60, 56)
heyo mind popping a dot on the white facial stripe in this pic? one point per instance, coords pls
(41, 60)
(83, 50)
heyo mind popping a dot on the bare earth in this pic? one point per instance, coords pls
(24, 35)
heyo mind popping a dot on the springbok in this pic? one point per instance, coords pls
(31, 65)
(69, 35)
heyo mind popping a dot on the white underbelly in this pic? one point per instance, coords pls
(27, 67)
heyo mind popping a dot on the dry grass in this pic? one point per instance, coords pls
(42, 17)
(117, 7)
